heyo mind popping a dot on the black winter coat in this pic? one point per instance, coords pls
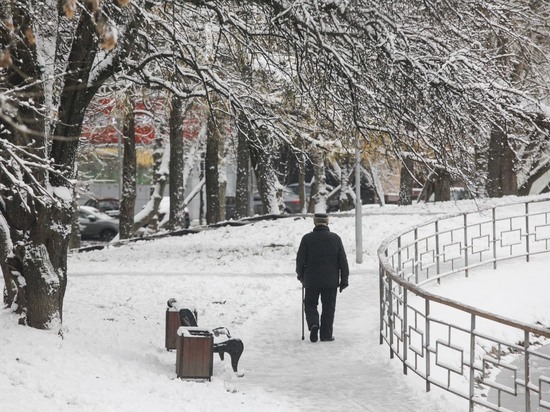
(321, 261)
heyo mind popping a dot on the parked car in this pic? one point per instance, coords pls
(332, 202)
(108, 205)
(291, 200)
(95, 224)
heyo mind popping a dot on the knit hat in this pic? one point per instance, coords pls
(320, 219)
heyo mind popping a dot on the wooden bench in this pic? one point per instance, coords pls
(177, 316)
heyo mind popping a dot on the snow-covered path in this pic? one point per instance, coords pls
(353, 373)
(112, 357)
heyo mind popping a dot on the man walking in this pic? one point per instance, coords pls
(322, 267)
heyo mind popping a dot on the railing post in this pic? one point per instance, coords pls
(527, 372)
(404, 331)
(472, 360)
(390, 314)
(437, 247)
(381, 292)
(494, 239)
(466, 244)
(527, 234)
(399, 268)
(416, 255)
(427, 345)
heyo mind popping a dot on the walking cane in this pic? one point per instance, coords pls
(303, 311)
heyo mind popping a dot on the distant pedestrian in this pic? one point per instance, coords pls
(322, 267)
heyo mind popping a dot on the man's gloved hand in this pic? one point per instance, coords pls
(343, 286)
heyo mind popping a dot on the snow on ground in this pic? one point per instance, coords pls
(112, 355)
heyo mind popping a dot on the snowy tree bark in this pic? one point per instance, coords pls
(243, 167)
(479, 185)
(346, 202)
(129, 168)
(442, 185)
(374, 178)
(222, 180)
(268, 185)
(149, 214)
(177, 188)
(39, 219)
(406, 181)
(211, 173)
(501, 175)
(318, 198)
(302, 178)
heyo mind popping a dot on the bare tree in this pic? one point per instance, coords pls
(128, 200)
(379, 64)
(177, 182)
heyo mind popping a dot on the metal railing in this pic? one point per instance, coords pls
(452, 345)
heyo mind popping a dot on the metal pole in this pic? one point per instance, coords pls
(471, 363)
(527, 234)
(427, 344)
(404, 332)
(494, 238)
(358, 205)
(415, 266)
(382, 274)
(526, 344)
(466, 244)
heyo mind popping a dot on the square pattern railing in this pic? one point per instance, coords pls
(459, 351)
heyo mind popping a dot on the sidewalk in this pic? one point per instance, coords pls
(353, 373)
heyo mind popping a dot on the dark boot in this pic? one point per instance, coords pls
(313, 333)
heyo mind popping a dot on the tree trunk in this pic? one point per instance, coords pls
(302, 179)
(129, 168)
(40, 219)
(74, 237)
(509, 182)
(266, 179)
(494, 163)
(346, 202)
(372, 172)
(479, 184)
(211, 171)
(318, 198)
(177, 188)
(501, 175)
(222, 170)
(36, 267)
(10, 289)
(75, 98)
(442, 186)
(243, 175)
(406, 182)
(149, 214)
